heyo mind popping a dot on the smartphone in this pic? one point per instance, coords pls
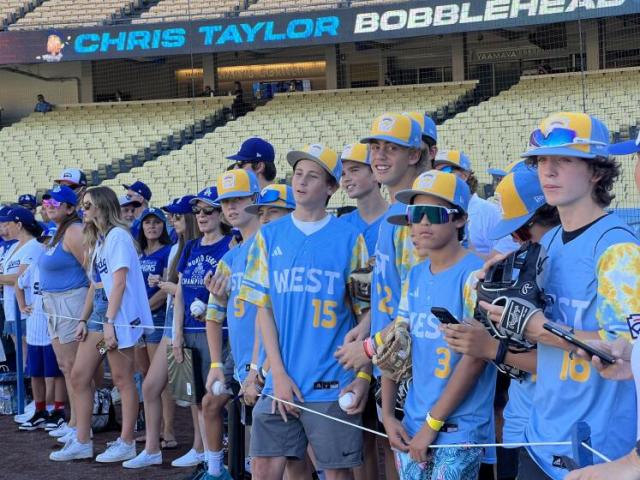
(604, 356)
(444, 315)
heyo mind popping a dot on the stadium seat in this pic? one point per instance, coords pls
(183, 10)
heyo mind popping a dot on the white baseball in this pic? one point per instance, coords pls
(346, 401)
(198, 307)
(217, 388)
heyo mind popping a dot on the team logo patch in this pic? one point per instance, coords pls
(386, 124)
(56, 189)
(426, 181)
(207, 192)
(316, 149)
(633, 321)
(228, 181)
(348, 151)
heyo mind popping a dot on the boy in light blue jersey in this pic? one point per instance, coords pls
(297, 273)
(236, 190)
(360, 184)
(593, 265)
(450, 399)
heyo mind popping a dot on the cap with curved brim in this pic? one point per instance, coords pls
(405, 196)
(624, 148)
(388, 138)
(228, 195)
(506, 227)
(295, 156)
(497, 172)
(195, 200)
(255, 208)
(558, 152)
(158, 213)
(399, 219)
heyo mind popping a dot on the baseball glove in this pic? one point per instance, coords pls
(360, 281)
(515, 283)
(393, 357)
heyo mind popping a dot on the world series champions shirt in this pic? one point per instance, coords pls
(303, 280)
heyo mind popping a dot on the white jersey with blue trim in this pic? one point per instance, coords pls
(368, 230)
(593, 282)
(433, 362)
(303, 280)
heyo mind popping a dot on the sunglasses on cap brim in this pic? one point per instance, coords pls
(435, 214)
(559, 137)
(270, 196)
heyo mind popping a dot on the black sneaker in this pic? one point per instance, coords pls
(56, 418)
(38, 420)
(198, 472)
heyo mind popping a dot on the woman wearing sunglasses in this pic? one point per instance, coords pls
(113, 256)
(454, 391)
(64, 285)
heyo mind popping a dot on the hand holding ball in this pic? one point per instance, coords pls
(346, 401)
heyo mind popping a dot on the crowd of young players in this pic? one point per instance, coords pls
(269, 314)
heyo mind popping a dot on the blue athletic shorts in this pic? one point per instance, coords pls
(41, 362)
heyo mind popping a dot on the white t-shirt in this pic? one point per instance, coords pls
(309, 228)
(483, 217)
(25, 255)
(6, 253)
(29, 282)
(112, 254)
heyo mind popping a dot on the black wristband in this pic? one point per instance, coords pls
(503, 348)
(83, 321)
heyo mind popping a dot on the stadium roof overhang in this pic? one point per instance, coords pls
(345, 25)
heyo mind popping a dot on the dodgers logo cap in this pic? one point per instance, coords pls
(318, 153)
(236, 183)
(62, 193)
(519, 196)
(179, 205)
(276, 195)
(254, 149)
(207, 195)
(126, 200)
(356, 152)
(28, 199)
(140, 188)
(19, 214)
(156, 212)
(454, 158)
(396, 128)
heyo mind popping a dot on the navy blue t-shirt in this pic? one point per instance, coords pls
(154, 264)
(196, 261)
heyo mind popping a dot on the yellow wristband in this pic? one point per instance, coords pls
(434, 424)
(378, 338)
(364, 376)
(215, 365)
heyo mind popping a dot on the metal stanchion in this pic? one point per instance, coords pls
(19, 361)
(236, 440)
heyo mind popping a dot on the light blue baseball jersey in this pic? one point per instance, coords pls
(368, 230)
(518, 409)
(594, 281)
(433, 362)
(240, 315)
(395, 256)
(303, 280)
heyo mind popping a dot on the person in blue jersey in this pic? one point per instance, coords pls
(299, 286)
(527, 217)
(452, 401)
(359, 182)
(274, 202)
(236, 190)
(483, 215)
(199, 257)
(155, 243)
(593, 270)
(64, 283)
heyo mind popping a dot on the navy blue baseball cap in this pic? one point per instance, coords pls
(140, 188)
(179, 205)
(157, 212)
(254, 149)
(28, 199)
(19, 214)
(62, 193)
(4, 210)
(208, 195)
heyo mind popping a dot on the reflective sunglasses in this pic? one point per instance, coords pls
(449, 169)
(51, 203)
(436, 214)
(559, 137)
(206, 211)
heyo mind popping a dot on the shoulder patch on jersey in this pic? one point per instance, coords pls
(633, 321)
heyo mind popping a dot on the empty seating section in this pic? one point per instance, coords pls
(182, 10)
(74, 13)
(11, 9)
(277, 6)
(496, 131)
(289, 121)
(85, 136)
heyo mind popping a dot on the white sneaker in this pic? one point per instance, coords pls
(29, 410)
(189, 459)
(118, 452)
(143, 460)
(61, 431)
(73, 450)
(71, 433)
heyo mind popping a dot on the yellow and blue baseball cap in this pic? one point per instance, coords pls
(446, 186)
(519, 195)
(454, 158)
(625, 148)
(236, 184)
(275, 195)
(396, 128)
(356, 152)
(318, 153)
(514, 166)
(570, 134)
(427, 126)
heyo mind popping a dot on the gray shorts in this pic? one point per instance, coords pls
(335, 445)
(197, 342)
(64, 310)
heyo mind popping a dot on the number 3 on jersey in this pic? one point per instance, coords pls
(324, 314)
(444, 363)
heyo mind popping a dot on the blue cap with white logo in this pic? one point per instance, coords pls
(27, 200)
(254, 149)
(62, 193)
(156, 212)
(140, 188)
(208, 195)
(179, 205)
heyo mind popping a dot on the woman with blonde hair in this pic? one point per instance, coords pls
(114, 259)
